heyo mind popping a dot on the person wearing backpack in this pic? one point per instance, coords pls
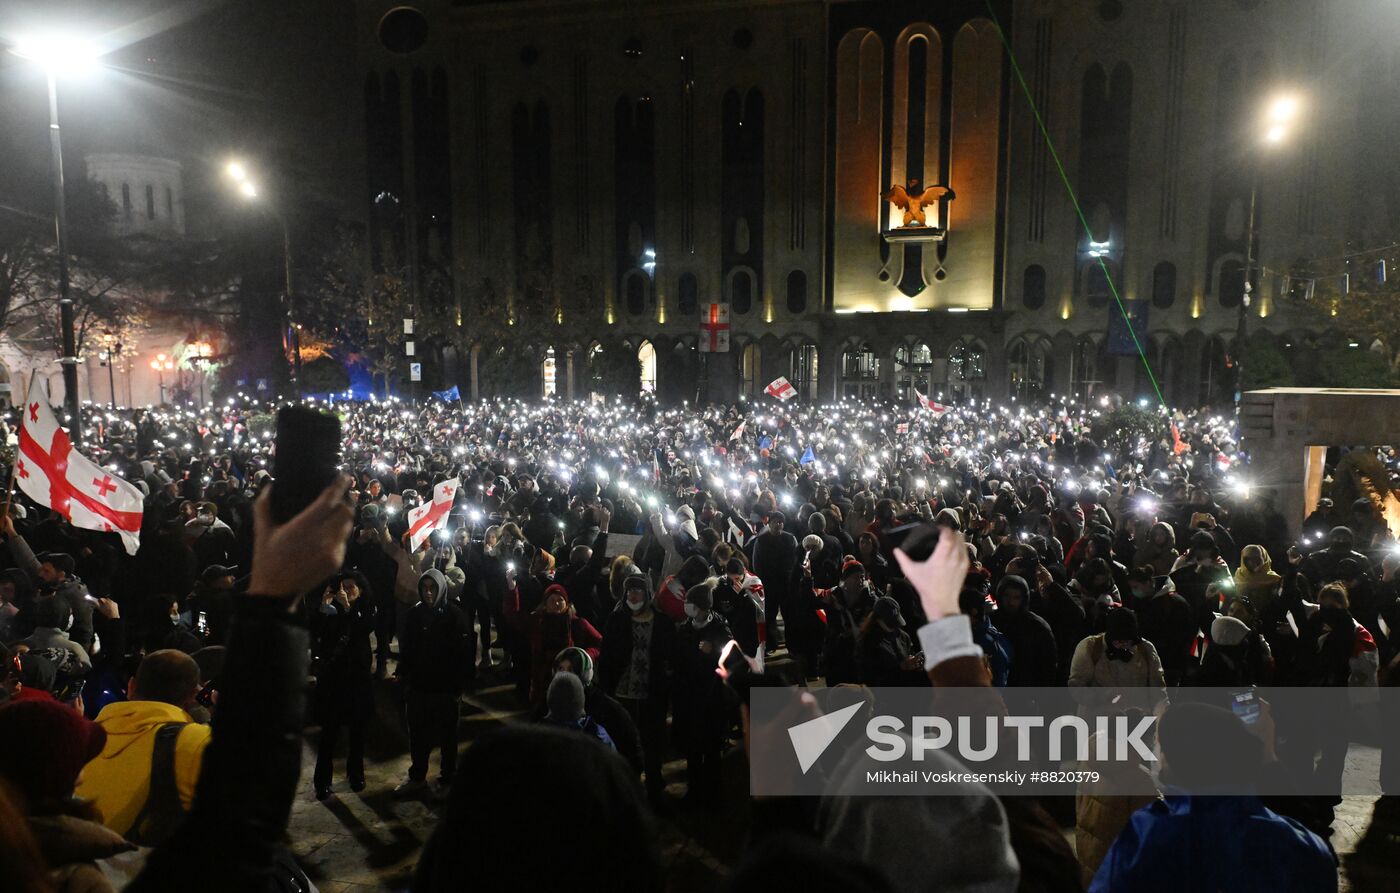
(143, 781)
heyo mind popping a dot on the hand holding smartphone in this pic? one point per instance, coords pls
(307, 459)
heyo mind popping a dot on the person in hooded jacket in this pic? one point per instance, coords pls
(1255, 577)
(1325, 565)
(636, 666)
(1117, 659)
(1158, 551)
(435, 659)
(1034, 655)
(700, 699)
(340, 632)
(740, 600)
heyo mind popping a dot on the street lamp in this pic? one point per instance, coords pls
(113, 346)
(162, 364)
(69, 55)
(200, 356)
(1280, 116)
(242, 179)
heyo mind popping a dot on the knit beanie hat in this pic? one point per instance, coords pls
(580, 661)
(565, 698)
(43, 747)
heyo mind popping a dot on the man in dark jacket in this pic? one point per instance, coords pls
(52, 573)
(701, 714)
(1326, 565)
(1052, 601)
(435, 659)
(1166, 621)
(636, 667)
(1034, 657)
(775, 557)
(580, 576)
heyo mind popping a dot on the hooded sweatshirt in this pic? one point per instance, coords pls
(437, 646)
(119, 780)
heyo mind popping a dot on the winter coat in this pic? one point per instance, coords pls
(1158, 557)
(1092, 668)
(1215, 843)
(1236, 656)
(72, 847)
(1261, 585)
(880, 657)
(340, 644)
(616, 653)
(700, 698)
(71, 590)
(437, 648)
(843, 620)
(118, 782)
(744, 610)
(1034, 654)
(1166, 620)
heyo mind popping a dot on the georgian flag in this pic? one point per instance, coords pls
(782, 389)
(431, 515)
(49, 471)
(931, 405)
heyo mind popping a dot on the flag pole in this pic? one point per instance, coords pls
(10, 490)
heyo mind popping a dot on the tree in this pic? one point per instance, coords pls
(1343, 367)
(1121, 429)
(1266, 367)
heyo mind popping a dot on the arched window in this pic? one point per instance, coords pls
(1029, 367)
(1084, 376)
(635, 292)
(549, 373)
(797, 292)
(1231, 283)
(741, 291)
(1096, 286)
(1164, 284)
(1033, 287)
(1216, 381)
(126, 201)
(913, 365)
(646, 358)
(688, 294)
(749, 363)
(802, 370)
(860, 373)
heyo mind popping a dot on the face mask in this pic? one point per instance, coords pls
(634, 607)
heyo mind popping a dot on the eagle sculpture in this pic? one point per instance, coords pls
(913, 199)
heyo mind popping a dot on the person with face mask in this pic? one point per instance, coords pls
(636, 666)
(1117, 658)
(435, 659)
(845, 607)
(740, 599)
(700, 701)
(1255, 577)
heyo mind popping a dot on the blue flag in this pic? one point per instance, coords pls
(765, 442)
(807, 456)
(452, 393)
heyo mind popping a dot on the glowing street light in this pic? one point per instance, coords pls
(242, 179)
(60, 54)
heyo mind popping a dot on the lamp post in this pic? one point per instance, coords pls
(200, 356)
(1278, 121)
(162, 364)
(69, 55)
(291, 332)
(113, 348)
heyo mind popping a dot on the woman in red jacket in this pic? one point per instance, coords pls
(551, 628)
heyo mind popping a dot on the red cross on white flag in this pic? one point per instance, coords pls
(931, 405)
(782, 389)
(51, 473)
(714, 329)
(431, 516)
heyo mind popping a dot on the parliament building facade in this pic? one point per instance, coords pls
(604, 172)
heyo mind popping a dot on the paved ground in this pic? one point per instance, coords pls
(355, 843)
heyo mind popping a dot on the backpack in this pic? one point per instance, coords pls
(162, 813)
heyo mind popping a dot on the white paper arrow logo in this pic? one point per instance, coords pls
(810, 739)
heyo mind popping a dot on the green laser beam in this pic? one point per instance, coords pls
(1073, 197)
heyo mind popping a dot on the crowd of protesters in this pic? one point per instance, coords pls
(600, 559)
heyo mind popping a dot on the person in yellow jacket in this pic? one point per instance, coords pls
(143, 781)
